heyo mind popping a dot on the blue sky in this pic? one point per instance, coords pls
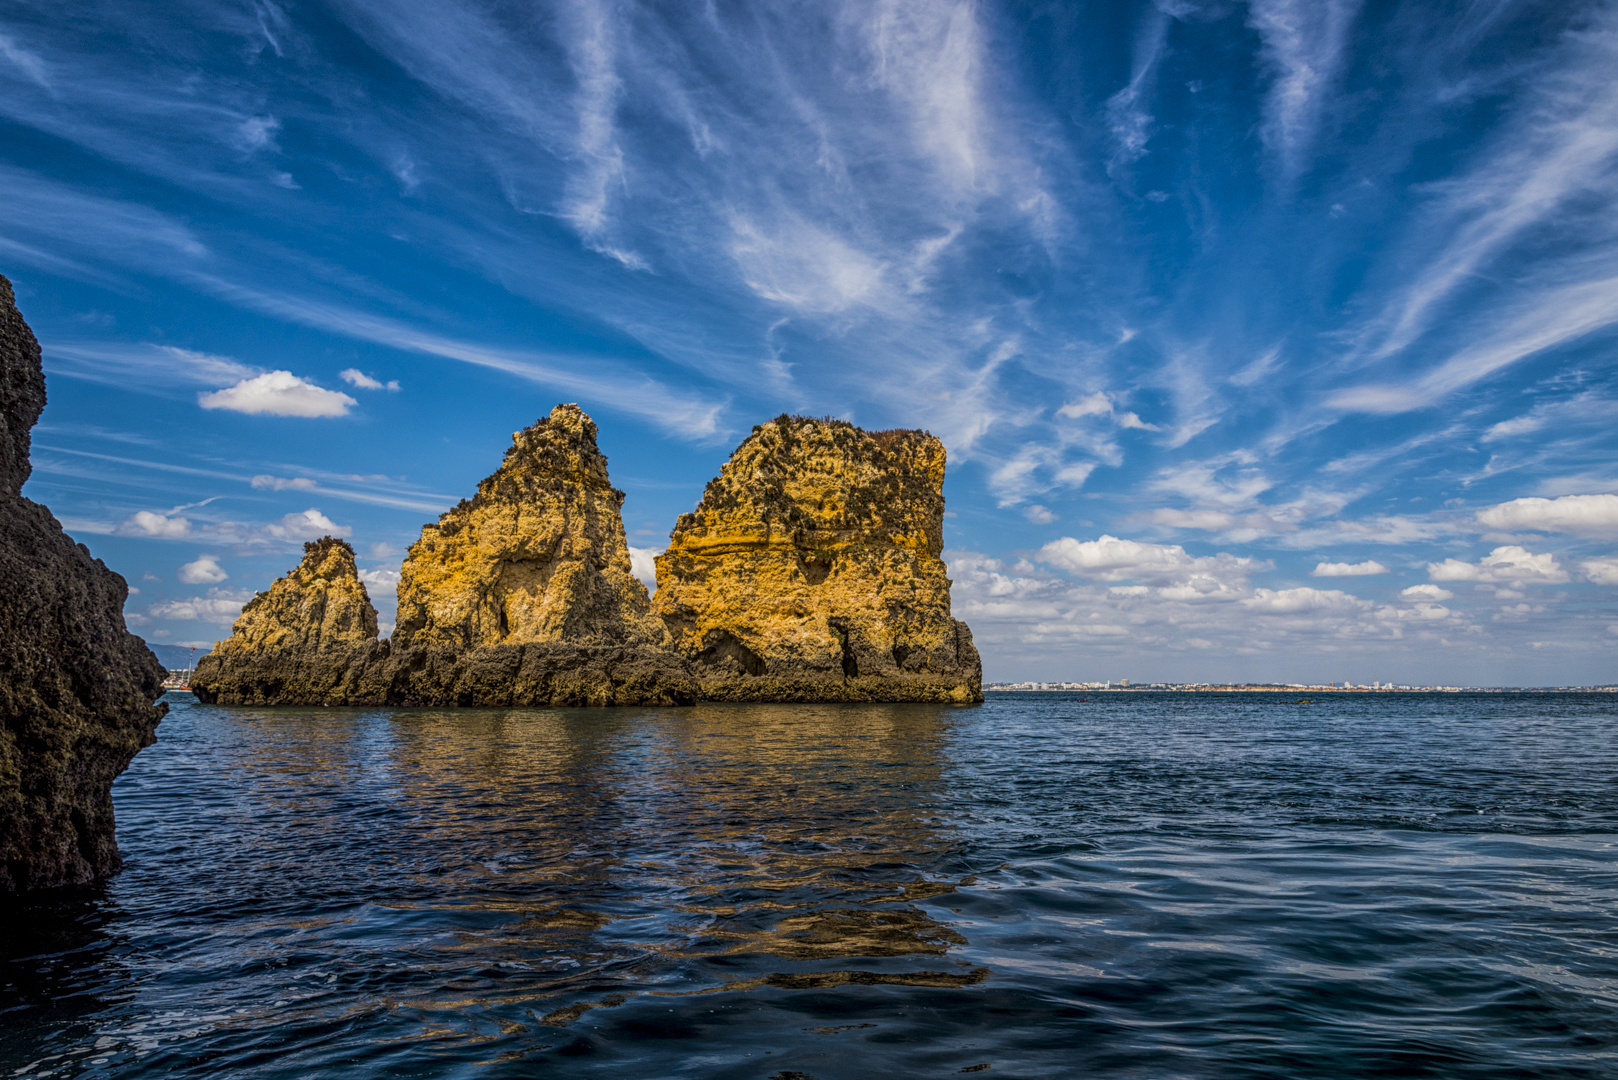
(1270, 340)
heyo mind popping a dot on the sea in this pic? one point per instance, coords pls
(1129, 884)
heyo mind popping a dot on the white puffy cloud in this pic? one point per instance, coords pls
(382, 586)
(1021, 615)
(1101, 404)
(1595, 515)
(278, 393)
(204, 571)
(1426, 592)
(220, 606)
(1110, 559)
(283, 483)
(1038, 514)
(642, 566)
(311, 524)
(1343, 569)
(1504, 564)
(1602, 571)
(381, 580)
(148, 523)
(1303, 600)
(356, 377)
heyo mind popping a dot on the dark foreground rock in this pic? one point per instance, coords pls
(76, 688)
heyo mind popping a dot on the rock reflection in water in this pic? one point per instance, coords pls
(609, 852)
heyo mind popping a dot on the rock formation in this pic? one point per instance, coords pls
(810, 571)
(308, 640)
(76, 688)
(521, 595)
(524, 593)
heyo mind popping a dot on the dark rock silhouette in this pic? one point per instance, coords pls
(76, 689)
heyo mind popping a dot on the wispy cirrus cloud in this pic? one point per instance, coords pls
(907, 213)
(1545, 172)
(1305, 43)
(677, 410)
(368, 490)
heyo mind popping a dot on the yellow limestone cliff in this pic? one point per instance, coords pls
(810, 571)
(308, 640)
(523, 594)
(538, 555)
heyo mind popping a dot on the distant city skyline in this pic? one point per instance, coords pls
(1270, 340)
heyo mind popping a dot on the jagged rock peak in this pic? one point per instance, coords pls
(307, 640)
(810, 571)
(554, 452)
(319, 606)
(538, 555)
(76, 688)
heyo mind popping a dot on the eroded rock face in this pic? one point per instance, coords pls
(308, 640)
(537, 555)
(521, 595)
(76, 688)
(810, 571)
(524, 595)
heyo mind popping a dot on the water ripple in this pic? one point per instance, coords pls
(1131, 886)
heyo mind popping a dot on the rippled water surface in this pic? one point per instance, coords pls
(1134, 885)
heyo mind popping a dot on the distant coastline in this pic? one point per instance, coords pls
(1125, 686)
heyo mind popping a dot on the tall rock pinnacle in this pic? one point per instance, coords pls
(537, 555)
(306, 640)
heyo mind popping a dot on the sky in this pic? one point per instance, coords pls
(1269, 340)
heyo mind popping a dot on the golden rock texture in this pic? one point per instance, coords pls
(810, 571)
(524, 593)
(537, 555)
(308, 640)
(521, 595)
(76, 687)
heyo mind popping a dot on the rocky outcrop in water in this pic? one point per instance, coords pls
(76, 688)
(810, 571)
(523, 594)
(310, 639)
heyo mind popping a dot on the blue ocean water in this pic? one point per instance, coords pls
(1128, 885)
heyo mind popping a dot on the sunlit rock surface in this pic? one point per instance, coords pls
(523, 594)
(307, 641)
(537, 555)
(810, 571)
(76, 688)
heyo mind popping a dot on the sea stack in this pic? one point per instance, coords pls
(524, 594)
(810, 571)
(76, 689)
(308, 639)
